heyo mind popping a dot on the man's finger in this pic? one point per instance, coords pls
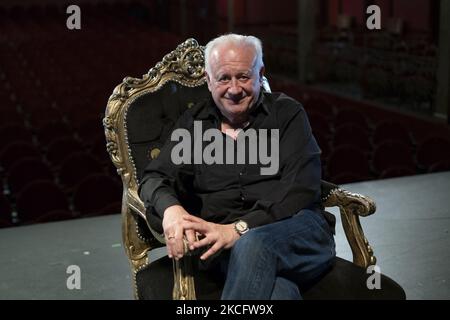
(169, 250)
(201, 243)
(216, 247)
(196, 226)
(169, 235)
(189, 217)
(178, 245)
(190, 235)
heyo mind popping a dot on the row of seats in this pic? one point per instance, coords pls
(390, 158)
(358, 145)
(54, 86)
(29, 166)
(385, 66)
(43, 200)
(46, 135)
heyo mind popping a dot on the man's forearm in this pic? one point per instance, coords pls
(154, 192)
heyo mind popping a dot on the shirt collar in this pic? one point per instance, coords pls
(210, 111)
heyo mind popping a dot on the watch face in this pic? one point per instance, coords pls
(241, 226)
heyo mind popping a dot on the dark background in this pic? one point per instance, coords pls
(377, 99)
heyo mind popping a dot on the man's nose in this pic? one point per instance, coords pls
(235, 88)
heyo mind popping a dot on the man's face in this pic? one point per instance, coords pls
(234, 81)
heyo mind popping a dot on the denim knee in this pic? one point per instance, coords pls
(253, 243)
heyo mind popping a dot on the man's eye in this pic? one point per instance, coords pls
(224, 79)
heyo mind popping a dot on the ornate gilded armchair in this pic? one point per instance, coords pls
(139, 117)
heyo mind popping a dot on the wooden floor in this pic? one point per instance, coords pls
(409, 234)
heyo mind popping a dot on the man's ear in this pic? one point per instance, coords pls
(208, 81)
(261, 73)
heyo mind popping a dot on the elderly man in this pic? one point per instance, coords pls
(263, 230)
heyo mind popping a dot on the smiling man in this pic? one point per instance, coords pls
(234, 74)
(265, 234)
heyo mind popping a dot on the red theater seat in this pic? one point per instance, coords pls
(16, 151)
(319, 124)
(432, 151)
(52, 131)
(397, 171)
(40, 117)
(324, 144)
(390, 130)
(40, 198)
(348, 159)
(61, 148)
(26, 171)
(390, 154)
(352, 134)
(77, 166)
(347, 116)
(443, 165)
(96, 193)
(5, 208)
(14, 132)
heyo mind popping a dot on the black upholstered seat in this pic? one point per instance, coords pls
(345, 281)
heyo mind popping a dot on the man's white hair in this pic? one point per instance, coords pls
(236, 40)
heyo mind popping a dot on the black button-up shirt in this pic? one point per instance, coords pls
(224, 193)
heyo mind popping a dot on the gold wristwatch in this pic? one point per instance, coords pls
(241, 227)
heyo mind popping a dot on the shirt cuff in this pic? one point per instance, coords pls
(257, 218)
(163, 202)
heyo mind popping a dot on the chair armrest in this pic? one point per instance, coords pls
(352, 206)
(356, 203)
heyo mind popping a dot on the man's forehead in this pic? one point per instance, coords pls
(232, 52)
(232, 49)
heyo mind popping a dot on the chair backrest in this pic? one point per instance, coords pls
(154, 106)
(141, 113)
(151, 117)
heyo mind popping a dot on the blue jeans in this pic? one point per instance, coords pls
(271, 261)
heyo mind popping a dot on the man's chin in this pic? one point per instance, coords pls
(238, 107)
